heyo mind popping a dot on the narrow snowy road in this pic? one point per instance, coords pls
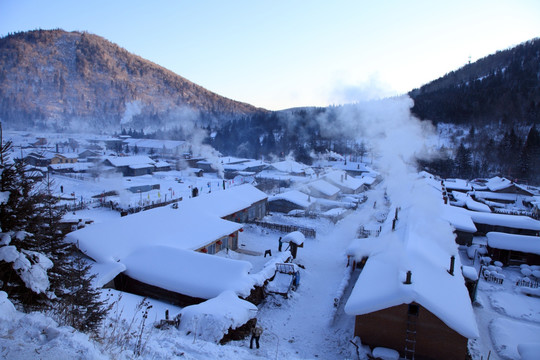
(302, 326)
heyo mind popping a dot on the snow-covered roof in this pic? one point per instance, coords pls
(334, 212)
(422, 243)
(204, 276)
(523, 243)
(324, 187)
(281, 176)
(244, 165)
(78, 166)
(161, 164)
(294, 196)
(155, 143)
(368, 179)
(212, 319)
(225, 202)
(470, 203)
(511, 221)
(292, 167)
(118, 161)
(181, 228)
(497, 196)
(340, 179)
(68, 155)
(497, 183)
(105, 272)
(233, 160)
(459, 218)
(296, 237)
(141, 166)
(458, 184)
(360, 248)
(345, 165)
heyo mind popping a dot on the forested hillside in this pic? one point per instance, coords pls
(503, 88)
(71, 80)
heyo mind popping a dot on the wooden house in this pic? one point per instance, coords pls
(39, 159)
(292, 167)
(322, 189)
(165, 251)
(289, 201)
(243, 203)
(511, 224)
(511, 249)
(131, 165)
(206, 166)
(410, 295)
(67, 158)
(162, 166)
(505, 186)
(182, 277)
(89, 155)
(346, 183)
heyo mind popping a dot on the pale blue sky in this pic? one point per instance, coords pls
(286, 53)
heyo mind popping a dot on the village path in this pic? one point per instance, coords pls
(303, 326)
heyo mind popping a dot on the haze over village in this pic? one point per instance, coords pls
(144, 216)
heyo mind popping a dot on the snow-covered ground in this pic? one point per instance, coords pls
(505, 316)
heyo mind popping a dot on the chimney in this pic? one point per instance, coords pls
(452, 262)
(408, 280)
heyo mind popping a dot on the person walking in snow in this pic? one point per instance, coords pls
(256, 332)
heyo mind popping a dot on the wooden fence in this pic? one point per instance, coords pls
(308, 232)
(528, 283)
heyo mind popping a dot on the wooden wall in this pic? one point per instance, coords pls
(434, 339)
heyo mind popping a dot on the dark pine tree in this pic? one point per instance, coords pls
(463, 162)
(530, 157)
(81, 306)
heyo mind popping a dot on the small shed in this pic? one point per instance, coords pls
(295, 240)
(218, 320)
(346, 183)
(511, 249)
(131, 165)
(290, 200)
(323, 189)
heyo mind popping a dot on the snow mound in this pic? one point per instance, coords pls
(213, 318)
(508, 334)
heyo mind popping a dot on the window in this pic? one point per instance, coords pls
(212, 249)
(413, 309)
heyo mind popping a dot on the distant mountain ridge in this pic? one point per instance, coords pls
(56, 79)
(501, 88)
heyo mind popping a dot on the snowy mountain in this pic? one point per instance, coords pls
(71, 78)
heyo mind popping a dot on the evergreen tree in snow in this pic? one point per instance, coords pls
(463, 162)
(36, 267)
(529, 160)
(23, 270)
(81, 306)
